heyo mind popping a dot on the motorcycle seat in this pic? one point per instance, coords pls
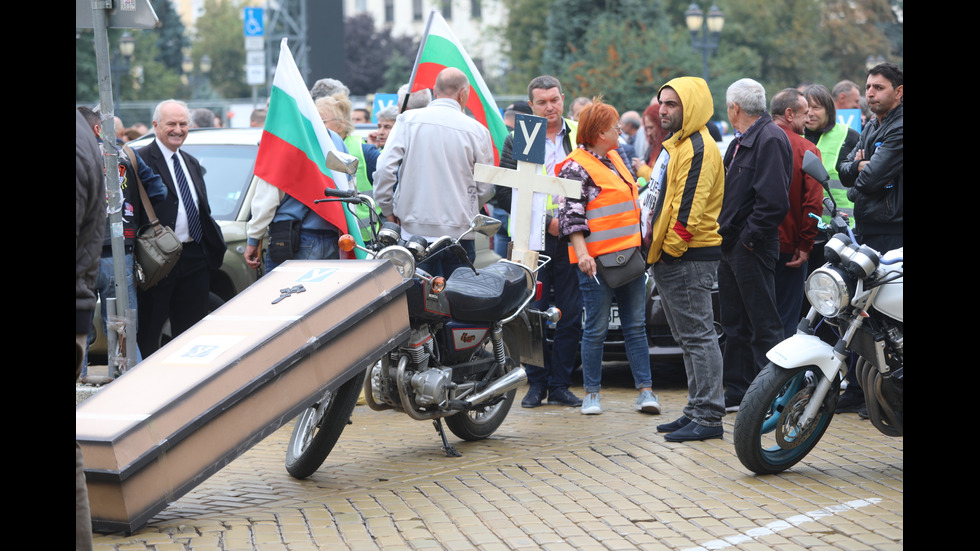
(487, 296)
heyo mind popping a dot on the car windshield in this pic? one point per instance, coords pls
(228, 171)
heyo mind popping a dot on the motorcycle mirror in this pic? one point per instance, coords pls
(338, 160)
(485, 224)
(813, 166)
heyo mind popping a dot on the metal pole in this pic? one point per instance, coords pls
(100, 26)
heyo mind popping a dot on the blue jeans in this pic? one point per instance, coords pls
(105, 288)
(443, 262)
(313, 245)
(685, 294)
(559, 358)
(631, 299)
(747, 289)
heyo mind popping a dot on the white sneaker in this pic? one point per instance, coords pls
(647, 402)
(590, 404)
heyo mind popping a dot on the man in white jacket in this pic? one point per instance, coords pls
(424, 180)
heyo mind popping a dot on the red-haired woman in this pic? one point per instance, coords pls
(605, 220)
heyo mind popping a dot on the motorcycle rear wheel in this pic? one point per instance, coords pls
(767, 439)
(480, 423)
(318, 428)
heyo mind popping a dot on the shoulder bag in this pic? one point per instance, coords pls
(621, 267)
(157, 247)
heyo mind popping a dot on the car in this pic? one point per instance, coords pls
(227, 156)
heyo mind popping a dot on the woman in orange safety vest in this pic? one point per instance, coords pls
(605, 220)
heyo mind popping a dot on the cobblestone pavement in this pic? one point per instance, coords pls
(549, 478)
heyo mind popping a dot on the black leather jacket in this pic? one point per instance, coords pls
(877, 191)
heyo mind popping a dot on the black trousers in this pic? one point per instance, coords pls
(181, 297)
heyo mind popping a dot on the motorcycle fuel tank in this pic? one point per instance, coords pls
(890, 298)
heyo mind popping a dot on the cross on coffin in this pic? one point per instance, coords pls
(528, 179)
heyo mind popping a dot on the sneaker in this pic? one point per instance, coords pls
(563, 397)
(676, 424)
(590, 405)
(534, 396)
(693, 432)
(647, 402)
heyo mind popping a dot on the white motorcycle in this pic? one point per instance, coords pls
(790, 404)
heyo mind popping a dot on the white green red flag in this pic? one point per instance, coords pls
(293, 151)
(441, 49)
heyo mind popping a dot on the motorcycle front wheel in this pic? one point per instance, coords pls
(767, 437)
(480, 423)
(319, 427)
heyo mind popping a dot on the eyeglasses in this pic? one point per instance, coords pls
(327, 121)
(618, 129)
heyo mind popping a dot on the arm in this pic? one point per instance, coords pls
(773, 172)
(691, 194)
(812, 204)
(371, 154)
(265, 202)
(152, 182)
(484, 155)
(873, 171)
(388, 165)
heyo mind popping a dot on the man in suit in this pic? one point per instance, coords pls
(182, 296)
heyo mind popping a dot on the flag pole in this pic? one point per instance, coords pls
(418, 56)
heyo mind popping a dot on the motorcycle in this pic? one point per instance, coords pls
(469, 334)
(859, 292)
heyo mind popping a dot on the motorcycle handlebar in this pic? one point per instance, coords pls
(342, 193)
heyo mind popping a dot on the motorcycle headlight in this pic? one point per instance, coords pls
(401, 259)
(829, 291)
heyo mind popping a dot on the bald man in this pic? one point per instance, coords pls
(430, 154)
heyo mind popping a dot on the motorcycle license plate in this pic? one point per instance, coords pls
(614, 317)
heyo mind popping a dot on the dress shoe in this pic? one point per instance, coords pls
(563, 397)
(694, 431)
(534, 396)
(850, 402)
(676, 424)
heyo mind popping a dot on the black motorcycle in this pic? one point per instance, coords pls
(462, 362)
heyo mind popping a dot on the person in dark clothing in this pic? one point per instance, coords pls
(873, 172)
(758, 167)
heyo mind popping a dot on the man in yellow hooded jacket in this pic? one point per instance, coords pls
(687, 187)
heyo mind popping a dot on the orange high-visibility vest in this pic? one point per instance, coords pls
(614, 215)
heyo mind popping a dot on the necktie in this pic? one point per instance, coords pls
(193, 219)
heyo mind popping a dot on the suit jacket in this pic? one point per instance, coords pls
(212, 241)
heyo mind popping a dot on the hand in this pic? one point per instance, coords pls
(799, 257)
(393, 218)
(587, 264)
(252, 256)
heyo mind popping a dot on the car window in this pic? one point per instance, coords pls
(228, 171)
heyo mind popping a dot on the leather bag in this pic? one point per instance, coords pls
(621, 267)
(157, 247)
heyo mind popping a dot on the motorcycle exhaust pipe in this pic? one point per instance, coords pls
(503, 385)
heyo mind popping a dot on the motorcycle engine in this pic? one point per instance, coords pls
(432, 387)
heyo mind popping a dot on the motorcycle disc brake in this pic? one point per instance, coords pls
(788, 432)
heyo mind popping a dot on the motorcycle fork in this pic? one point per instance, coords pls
(824, 385)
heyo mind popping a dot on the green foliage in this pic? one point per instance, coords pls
(219, 35)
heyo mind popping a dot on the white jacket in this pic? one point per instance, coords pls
(425, 172)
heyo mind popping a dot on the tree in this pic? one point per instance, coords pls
(219, 35)
(524, 42)
(365, 46)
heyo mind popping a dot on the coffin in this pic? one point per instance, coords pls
(237, 376)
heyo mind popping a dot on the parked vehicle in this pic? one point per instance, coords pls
(859, 292)
(469, 334)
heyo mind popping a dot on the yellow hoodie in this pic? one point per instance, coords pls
(694, 183)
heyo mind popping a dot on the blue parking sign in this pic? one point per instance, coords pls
(253, 23)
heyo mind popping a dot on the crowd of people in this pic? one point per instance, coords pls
(739, 222)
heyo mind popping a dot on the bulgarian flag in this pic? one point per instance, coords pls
(293, 151)
(439, 50)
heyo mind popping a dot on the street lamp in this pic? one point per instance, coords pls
(127, 46)
(704, 31)
(196, 77)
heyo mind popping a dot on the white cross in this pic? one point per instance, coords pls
(527, 180)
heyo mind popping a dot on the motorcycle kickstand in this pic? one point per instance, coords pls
(446, 446)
